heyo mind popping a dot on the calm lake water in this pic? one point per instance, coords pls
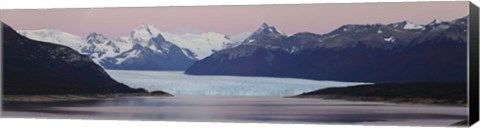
(244, 109)
(236, 99)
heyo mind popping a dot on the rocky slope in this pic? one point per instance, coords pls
(398, 52)
(33, 67)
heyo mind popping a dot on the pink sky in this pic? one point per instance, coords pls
(231, 20)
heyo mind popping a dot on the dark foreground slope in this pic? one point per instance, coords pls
(453, 93)
(32, 68)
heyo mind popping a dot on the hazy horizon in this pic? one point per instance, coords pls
(231, 20)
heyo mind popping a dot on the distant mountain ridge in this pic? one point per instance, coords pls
(54, 36)
(161, 50)
(397, 52)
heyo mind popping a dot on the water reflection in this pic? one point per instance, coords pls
(238, 109)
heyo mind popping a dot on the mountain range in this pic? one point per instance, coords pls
(397, 52)
(146, 48)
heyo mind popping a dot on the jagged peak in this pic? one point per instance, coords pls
(145, 31)
(267, 28)
(97, 36)
(436, 21)
(264, 32)
(406, 25)
(94, 34)
(266, 25)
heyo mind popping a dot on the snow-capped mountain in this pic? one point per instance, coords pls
(145, 36)
(374, 36)
(202, 44)
(95, 45)
(264, 34)
(149, 51)
(98, 47)
(398, 52)
(143, 40)
(435, 22)
(407, 25)
(152, 54)
(268, 36)
(54, 36)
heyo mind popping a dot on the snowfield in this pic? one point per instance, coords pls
(180, 84)
(201, 44)
(54, 36)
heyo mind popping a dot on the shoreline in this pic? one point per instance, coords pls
(408, 101)
(427, 93)
(72, 97)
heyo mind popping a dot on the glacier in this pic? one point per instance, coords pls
(180, 84)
